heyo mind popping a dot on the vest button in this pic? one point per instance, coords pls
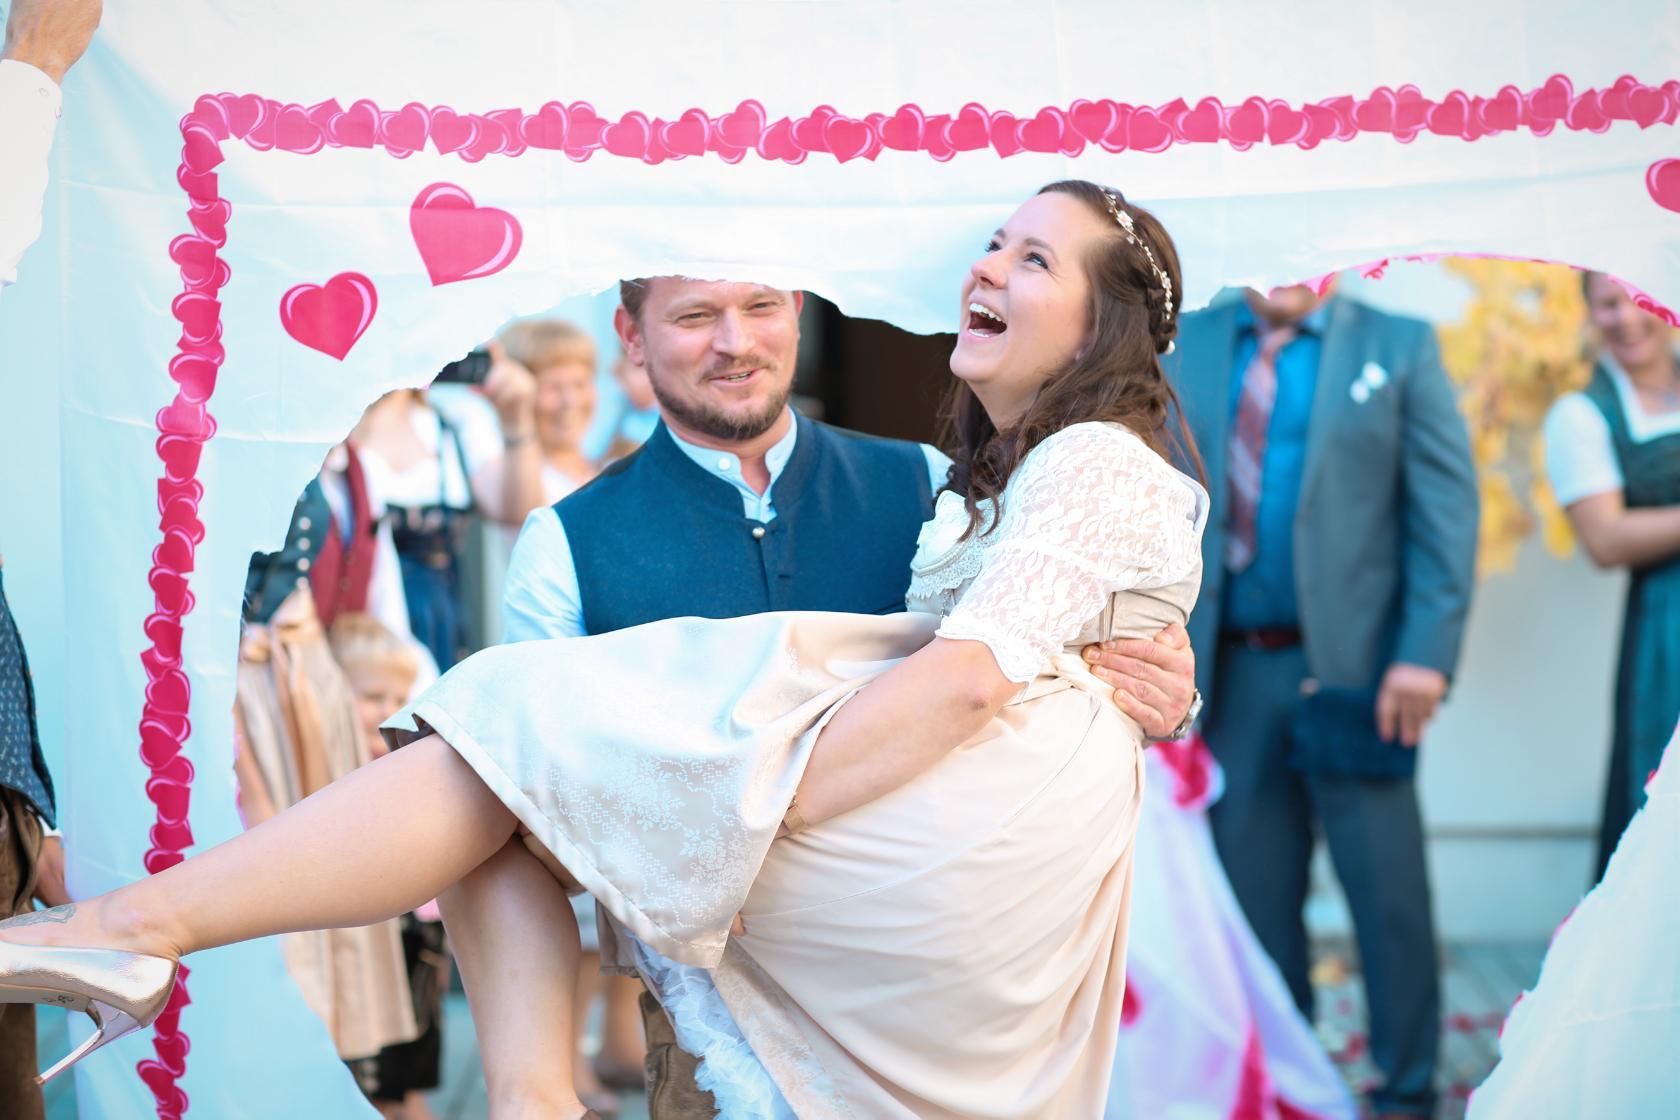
(303, 524)
(303, 542)
(758, 532)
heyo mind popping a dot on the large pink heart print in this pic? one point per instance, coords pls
(330, 317)
(459, 240)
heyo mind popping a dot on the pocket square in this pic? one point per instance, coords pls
(1371, 378)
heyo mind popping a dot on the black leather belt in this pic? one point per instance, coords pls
(1264, 638)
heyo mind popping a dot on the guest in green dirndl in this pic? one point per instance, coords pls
(1613, 455)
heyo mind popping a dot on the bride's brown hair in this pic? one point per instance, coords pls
(1115, 377)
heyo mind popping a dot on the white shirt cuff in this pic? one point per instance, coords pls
(29, 105)
(19, 77)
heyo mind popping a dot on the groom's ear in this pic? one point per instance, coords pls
(629, 333)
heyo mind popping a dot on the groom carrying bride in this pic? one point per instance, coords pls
(737, 505)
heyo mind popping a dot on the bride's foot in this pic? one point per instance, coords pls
(106, 922)
(120, 990)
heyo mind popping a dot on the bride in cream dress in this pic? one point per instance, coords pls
(895, 850)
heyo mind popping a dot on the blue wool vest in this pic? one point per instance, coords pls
(656, 536)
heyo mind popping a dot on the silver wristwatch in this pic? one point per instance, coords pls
(1189, 720)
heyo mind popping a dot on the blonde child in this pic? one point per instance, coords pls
(381, 669)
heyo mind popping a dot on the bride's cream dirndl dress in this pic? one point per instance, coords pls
(953, 949)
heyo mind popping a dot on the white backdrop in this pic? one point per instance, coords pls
(1312, 178)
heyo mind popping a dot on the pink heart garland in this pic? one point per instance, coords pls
(1147, 132)
(903, 130)
(459, 240)
(358, 127)
(165, 634)
(180, 455)
(330, 317)
(971, 129)
(154, 862)
(172, 837)
(200, 317)
(847, 138)
(1042, 133)
(546, 128)
(778, 143)
(1245, 124)
(1002, 133)
(687, 136)
(1092, 119)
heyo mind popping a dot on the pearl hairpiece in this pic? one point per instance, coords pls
(1124, 218)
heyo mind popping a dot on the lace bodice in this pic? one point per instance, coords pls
(1089, 514)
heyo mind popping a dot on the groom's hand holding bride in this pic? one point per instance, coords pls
(1154, 681)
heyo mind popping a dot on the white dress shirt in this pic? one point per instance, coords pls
(542, 598)
(29, 105)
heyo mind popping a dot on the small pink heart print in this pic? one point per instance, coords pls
(1662, 179)
(330, 317)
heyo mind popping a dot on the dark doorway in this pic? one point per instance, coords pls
(872, 377)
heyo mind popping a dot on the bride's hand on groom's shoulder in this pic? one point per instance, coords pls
(1154, 681)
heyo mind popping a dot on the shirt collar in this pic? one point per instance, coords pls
(726, 464)
(1313, 324)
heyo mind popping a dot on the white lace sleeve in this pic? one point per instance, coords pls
(1089, 512)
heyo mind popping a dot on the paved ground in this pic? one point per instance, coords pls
(1480, 982)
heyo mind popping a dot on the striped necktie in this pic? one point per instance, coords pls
(1248, 444)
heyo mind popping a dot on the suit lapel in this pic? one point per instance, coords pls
(1338, 366)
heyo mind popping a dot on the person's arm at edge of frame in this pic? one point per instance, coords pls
(44, 38)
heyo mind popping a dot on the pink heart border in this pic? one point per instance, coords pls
(264, 124)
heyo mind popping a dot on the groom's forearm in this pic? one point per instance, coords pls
(901, 724)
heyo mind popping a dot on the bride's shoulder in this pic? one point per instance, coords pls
(1106, 456)
(1096, 441)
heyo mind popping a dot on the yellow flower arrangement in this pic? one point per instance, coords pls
(1518, 347)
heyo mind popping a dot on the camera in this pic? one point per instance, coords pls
(470, 370)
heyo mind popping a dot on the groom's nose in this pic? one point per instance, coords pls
(730, 334)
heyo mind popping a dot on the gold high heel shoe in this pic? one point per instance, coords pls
(121, 992)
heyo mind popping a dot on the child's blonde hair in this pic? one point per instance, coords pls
(361, 641)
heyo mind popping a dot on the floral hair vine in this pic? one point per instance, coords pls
(1124, 217)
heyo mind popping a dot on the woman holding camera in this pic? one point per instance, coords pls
(433, 472)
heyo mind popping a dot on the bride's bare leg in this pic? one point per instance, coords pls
(374, 844)
(515, 940)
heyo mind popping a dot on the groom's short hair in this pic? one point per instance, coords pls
(633, 294)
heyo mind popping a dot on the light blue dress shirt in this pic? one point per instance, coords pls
(1262, 595)
(542, 598)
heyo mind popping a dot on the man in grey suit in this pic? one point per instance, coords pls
(1339, 559)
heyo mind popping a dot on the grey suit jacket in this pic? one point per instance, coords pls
(1385, 532)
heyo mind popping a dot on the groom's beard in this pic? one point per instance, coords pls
(715, 422)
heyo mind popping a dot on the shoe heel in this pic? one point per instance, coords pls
(112, 1023)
